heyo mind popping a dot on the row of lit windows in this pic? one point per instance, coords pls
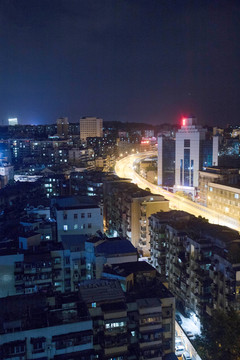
(115, 325)
(225, 193)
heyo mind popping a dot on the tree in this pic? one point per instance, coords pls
(220, 338)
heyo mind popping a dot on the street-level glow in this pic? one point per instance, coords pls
(125, 168)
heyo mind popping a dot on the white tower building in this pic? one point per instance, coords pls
(193, 151)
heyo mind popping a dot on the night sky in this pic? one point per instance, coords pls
(128, 60)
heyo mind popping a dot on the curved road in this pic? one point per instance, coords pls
(124, 168)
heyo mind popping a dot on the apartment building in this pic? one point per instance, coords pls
(76, 215)
(130, 325)
(220, 175)
(225, 199)
(90, 127)
(127, 209)
(45, 327)
(200, 261)
(62, 127)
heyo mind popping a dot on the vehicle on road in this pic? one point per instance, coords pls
(178, 319)
(189, 334)
(186, 356)
(179, 349)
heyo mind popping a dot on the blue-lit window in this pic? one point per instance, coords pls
(192, 169)
(186, 166)
(181, 171)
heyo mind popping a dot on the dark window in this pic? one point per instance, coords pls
(82, 215)
(89, 226)
(75, 216)
(187, 143)
(65, 216)
(89, 215)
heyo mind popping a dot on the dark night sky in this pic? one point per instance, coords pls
(128, 60)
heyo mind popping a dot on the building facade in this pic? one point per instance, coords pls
(225, 199)
(220, 175)
(90, 127)
(62, 127)
(126, 211)
(193, 152)
(77, 216)
(166, 161)
(200, 261)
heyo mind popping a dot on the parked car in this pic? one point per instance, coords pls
(189, 334)
(178, 319)
(186, 356)
(179, 349)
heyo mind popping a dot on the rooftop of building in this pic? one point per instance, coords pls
(148, 288)
(115, 247)
(100, 291)
(148, 302)
(127, 268)
(221, 170)
(73, 202)
(74, 242)
(133, 190)
(200, 230)
(33, 311)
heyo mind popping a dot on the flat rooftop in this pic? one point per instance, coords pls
(100, 290)
(74, 202)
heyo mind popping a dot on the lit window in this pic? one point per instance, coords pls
(236, 196)
(94, 305)
(65, 227)
(75, 226)
(210, 189)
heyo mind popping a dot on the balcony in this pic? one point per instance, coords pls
(115, 350)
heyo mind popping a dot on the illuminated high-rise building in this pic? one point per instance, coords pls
(13, 121)
(193, 152)
(180, 159)
(90, 127)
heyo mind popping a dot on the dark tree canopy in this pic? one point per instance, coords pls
(220, 339)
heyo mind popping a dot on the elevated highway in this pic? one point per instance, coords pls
(125, 168)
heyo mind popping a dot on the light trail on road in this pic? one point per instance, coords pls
(124, 168)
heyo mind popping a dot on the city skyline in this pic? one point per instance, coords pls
(138, 61)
